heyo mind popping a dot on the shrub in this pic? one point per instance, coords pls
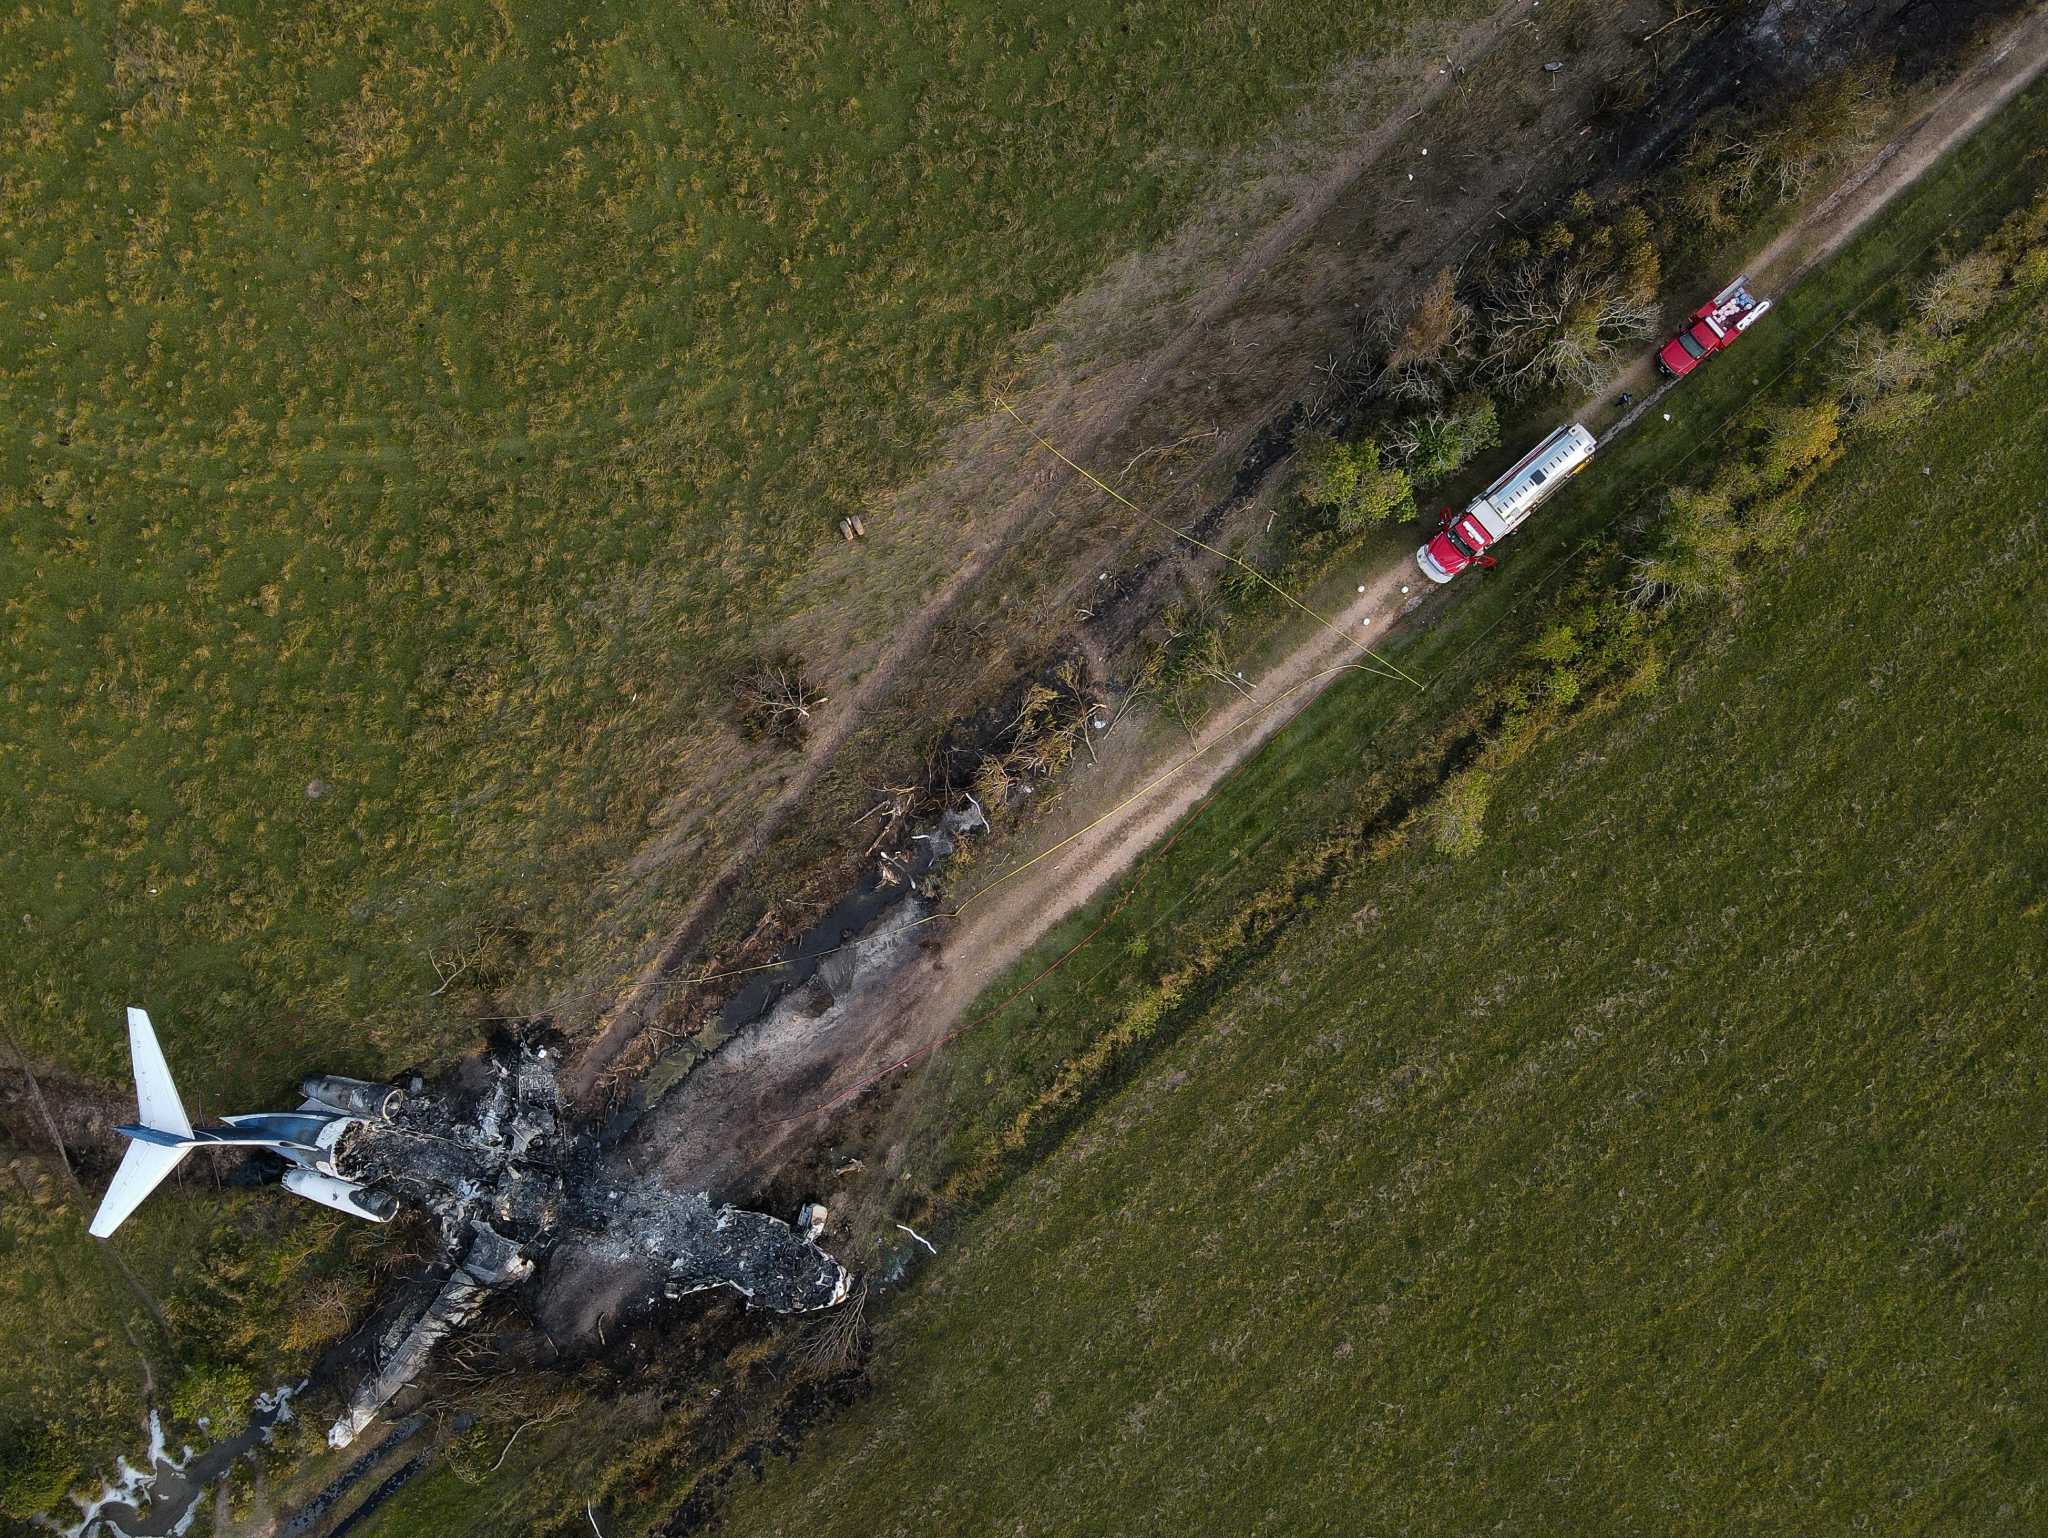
(776, 699)
(1798, 439)
(36, 1467)
(1558, 643)
(1438, 326)
(1959, 293)
(1893, 414)
(1876, 363)
(218, 1393)
(1440, 443)
(1456, 818)
(1350, 482)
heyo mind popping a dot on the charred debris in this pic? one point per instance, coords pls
(511, 1187)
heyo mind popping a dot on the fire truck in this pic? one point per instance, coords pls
(1463, 539)
(1714, 325)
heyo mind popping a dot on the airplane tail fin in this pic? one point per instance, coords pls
(159, 1109)
(156, 1097)
(142, 1170)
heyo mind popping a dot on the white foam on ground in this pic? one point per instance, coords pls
(131, 1486)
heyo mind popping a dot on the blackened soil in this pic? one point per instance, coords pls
(1769, 49)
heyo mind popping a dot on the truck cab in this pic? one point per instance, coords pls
(1713, 326)
(1464, 539)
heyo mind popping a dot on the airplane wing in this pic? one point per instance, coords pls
(142, 1171)
(156, 1097)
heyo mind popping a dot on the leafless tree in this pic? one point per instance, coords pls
(1564, 327)
(831, 1342)
(776, 698)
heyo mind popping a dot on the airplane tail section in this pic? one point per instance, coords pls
(166, 1130)
(142, 1170)
(156, 1097)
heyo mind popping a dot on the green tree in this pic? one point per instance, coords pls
(36, 1468)
(1352, 483)
(1440, 443)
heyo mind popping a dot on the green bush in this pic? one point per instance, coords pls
(1440, 443)
(1351, 483)
(217, 1393)
(36, 1467)
(1457, 817)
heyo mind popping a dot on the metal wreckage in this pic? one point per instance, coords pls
(488, 1154)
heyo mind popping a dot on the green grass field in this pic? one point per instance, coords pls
(431, 407)
(1671, 1163)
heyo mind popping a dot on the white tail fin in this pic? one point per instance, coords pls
(156, 1098)
(142, 1170)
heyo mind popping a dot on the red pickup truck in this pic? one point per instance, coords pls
(1714, 325)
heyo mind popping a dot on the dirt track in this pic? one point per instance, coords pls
(736, 1119)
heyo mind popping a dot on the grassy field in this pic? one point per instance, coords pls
(1671, 1162)
(414, 417)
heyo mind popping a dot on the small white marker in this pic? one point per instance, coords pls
(1404, 587)
(1667, 416)
(1361, 587)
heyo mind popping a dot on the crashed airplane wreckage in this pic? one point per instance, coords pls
(486, 1155)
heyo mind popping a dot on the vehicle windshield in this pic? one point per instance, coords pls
(1457, 544)
(1685, 340)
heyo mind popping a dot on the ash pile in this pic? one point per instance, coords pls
(488, 1155)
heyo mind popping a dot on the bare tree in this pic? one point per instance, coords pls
(1959, 293)
(1563, 328)
(832, 1342)
(776, 699)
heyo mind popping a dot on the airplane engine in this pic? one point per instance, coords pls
(342, 1195)
(357, 1097)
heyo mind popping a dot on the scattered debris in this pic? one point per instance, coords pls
(920, 1238)
(810, 1220)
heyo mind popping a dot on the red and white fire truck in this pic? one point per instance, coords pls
(1462, 539)
(1714, 325)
